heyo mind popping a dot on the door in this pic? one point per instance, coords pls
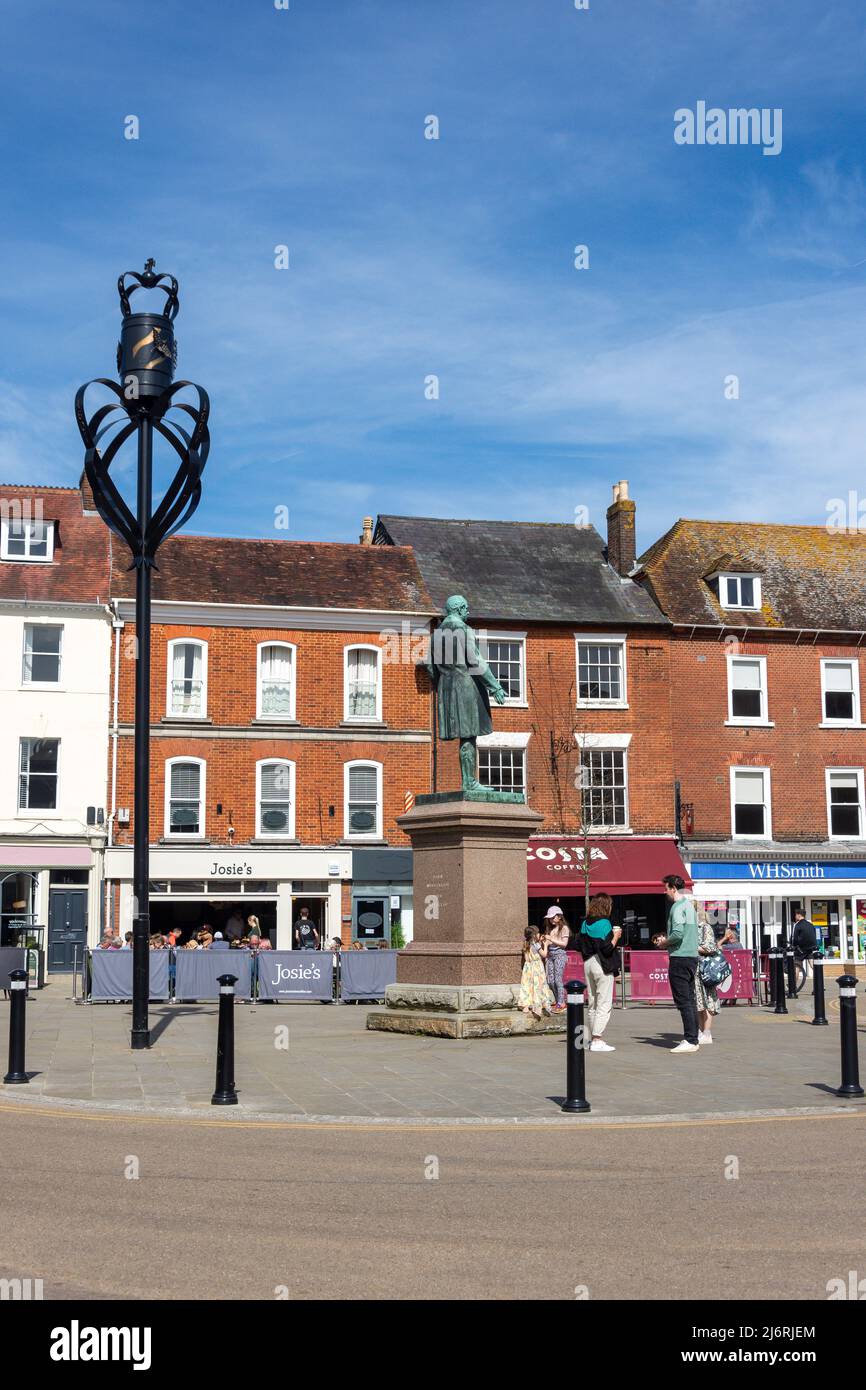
(317, 909)
(67, 928)
(371, 916)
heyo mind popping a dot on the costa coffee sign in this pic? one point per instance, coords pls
(565, 858)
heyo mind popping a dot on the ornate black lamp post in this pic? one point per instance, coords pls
(146, 358)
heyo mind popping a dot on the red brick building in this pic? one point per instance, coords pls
(289, 723)
(768, 732)
(584, 654)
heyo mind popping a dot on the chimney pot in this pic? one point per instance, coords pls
(366, 536)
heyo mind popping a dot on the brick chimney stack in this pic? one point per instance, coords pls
(87, 502)
(621, 545)
(366, 536)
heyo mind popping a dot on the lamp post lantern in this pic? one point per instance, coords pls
(146, 358)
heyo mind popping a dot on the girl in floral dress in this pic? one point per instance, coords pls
(535, 996)
(706, 996)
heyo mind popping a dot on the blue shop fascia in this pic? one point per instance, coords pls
(757, 888)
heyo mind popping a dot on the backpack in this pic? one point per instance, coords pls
(714, 970)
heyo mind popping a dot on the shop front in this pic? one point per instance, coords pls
(201, 886)
(49, 894)
(628, 868)
(382, 896)
(759, 895)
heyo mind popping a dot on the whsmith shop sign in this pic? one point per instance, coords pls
(779, 871)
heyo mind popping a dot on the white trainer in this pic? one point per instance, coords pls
(685, 1047)
(599, 1045)
(704, 1038)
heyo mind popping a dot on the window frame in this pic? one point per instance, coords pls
(829, 773)
(41, 685)
(46, 559)
(602, 639)
(511, 702)
(503, 747)
(185, 642)
(38, 812)
(177, 836)
(768, 801)
(291, 647)
(596, 743)
(757, 592)
(376, 833)
(748, 719)
(855, 721)
(348, 717)
(261, 833)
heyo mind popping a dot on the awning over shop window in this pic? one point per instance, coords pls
(618, 866)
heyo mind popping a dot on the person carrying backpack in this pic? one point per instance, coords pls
(597, 942)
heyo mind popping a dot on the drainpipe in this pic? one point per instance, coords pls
(117, 627)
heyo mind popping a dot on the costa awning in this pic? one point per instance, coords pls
(617, 866)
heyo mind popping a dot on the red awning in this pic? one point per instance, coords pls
(629, 864)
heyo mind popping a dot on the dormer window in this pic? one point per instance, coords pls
(737, 590)
(29, 541)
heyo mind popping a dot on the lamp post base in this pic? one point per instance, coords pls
(139, 1039)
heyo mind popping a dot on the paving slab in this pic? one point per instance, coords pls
(759, 1063)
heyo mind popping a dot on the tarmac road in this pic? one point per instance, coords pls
(246, 1210)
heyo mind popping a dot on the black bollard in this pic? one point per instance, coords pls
(16, 1075)
(225, 1069)
(848, 1034)
(820, 1018)
(777, 976)
(792, 972)
(575, 1066)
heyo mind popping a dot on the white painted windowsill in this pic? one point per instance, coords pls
(750, 724)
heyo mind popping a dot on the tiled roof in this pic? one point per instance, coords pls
(812, 577)
(296, 574)
(79, 572)
(522, 571)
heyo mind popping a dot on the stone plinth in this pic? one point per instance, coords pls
(458, 1011)
(460, 974)
(469, 908)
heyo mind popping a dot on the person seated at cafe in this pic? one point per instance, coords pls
(127, 942)
(191, 945)
(254, 942)
(174, 936)
(109, 943)
(204, 936)
(219, 942)
(235, 927)
(157, 942)
(265, 944)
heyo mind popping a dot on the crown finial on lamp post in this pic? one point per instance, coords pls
(146, 359)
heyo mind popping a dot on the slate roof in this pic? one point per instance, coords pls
(521, 571)
(811, 577)
(296, 574)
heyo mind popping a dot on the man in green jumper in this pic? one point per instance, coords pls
(681, 942)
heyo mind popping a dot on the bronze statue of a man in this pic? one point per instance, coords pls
(464, 683)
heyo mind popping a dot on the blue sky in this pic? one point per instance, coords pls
(411, 257)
